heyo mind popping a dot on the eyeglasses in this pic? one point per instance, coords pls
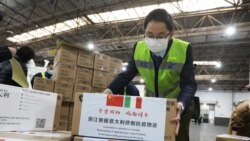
(161, 36)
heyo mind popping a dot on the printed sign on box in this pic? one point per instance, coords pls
(123, 117)
(92, 139)
(24, 109)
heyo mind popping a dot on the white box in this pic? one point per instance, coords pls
(123, 117)
(92, 139)
(24, 109)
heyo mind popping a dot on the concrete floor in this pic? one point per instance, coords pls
(205, 132)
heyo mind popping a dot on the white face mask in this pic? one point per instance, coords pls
(50, 72)
(157, 45)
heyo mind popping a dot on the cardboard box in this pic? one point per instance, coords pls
(58, 111)
(99, 79)
(44, 84)
(63, 125)
(71, 110)
(35, 136)
(111, 77)
(65, 111)
(226, 137)
(84, 76)
(122, 118)
(115, 65)
(80, 88)
(65, 73)
(101, 62)
(92, 139)
(66, 89)
(85, 59)
(70, 126)
(97, 90)
(26, 109)
(67, 55)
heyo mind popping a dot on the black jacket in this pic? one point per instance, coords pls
(6, 72)
(5, 54)
(47, 75)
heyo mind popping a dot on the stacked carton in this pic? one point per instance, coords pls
(77, 70)
(105, 70)
(115, 67)
(65, 67)
(65, 71)
(44, 84)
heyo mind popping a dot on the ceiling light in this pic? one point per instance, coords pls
(230, 30)
(91, 46)
(213, 80)
(141, 80)
(210, 89)
(218, 65)
(207, 63)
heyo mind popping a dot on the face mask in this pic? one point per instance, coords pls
(50, 72)
(157, 45)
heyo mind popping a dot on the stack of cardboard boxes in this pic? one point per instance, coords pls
(77, 70)
(105, 70)
(64, 76)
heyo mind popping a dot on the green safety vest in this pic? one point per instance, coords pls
(169, 70)
(43, 75)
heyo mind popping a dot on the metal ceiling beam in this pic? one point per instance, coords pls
(196, 32)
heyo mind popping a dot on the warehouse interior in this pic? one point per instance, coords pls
(218, 30)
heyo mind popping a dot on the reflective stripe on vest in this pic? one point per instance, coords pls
(169, 71)
(43, 75)
(164, 65)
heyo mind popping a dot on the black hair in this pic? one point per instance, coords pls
(25, 54)
(160, 15)
(50, 63)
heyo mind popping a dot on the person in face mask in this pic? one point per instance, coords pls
(166, 65)
(45, 75)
